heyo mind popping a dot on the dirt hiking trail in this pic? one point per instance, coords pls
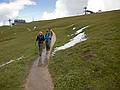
(39, 77)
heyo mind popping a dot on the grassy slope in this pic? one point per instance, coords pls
(93, 64)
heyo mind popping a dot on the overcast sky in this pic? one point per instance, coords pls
(51, 9)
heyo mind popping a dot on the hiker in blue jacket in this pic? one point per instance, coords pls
(48, 37)
(40, 38)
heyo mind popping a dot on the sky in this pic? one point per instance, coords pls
(50, 9)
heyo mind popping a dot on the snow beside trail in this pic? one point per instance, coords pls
(7, 63)
(20, 58)
(77, 39)
(80, 30)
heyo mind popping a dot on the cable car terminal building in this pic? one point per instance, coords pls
(18, 21)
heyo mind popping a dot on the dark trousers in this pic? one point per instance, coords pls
(40, 45)
(48, 43)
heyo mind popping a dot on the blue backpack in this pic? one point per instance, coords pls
(47, 36)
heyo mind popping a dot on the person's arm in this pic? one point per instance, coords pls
(36, 40)
(50, 35)
(43, 38)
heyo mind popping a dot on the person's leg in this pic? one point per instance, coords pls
(40, 48)
(40, 53)
(47, 53)
(47, 46)
(49, 43)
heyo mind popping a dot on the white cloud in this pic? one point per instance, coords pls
(12, 9)
(104, 5)
(111, 4)
(65, 8)
(74, 7)
(95, 5)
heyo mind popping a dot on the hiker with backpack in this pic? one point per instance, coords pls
(48, 37)
(40, 39)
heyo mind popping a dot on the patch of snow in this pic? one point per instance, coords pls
(72, 34)
(68, 35)
(7, 63)
(72, 25)
(53, 53)
(77, 39)
(80, 30)
(74, 28)
(35, 27)
(29, 29)
(20, 58)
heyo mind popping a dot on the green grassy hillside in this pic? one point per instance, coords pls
(89, 65)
